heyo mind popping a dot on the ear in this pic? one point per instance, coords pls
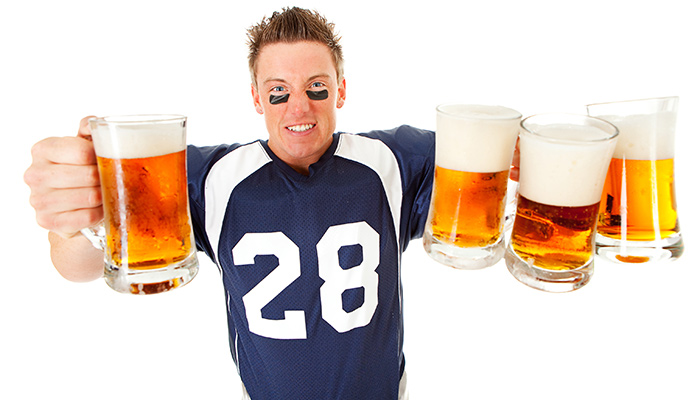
(256, 99)
(342, 91)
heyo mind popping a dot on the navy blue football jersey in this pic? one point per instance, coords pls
(311, 264)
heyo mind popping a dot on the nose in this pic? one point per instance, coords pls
(299, 103)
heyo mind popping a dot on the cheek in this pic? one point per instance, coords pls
(273, 111)
(329, 114)
(271, 118)
(328, 105)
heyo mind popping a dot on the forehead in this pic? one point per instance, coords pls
(298, 60)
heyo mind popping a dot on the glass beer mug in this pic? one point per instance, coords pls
(638, 220)
(146, 234)
(474, 147)
(563, 161)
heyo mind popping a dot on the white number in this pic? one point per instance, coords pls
(336, 279)
(293, 325)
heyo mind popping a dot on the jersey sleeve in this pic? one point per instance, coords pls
(199, 162)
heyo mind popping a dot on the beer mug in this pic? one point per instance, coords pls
(147, 233)
(474, 147)
(563, 161)
(638, 220)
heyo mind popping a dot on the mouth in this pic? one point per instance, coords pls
(301, 128)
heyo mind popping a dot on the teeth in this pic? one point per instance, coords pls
(300, 128)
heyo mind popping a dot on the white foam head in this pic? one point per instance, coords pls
(564, 158)
(475, 138)
(138, 136)
(645, 137)
(647, 127)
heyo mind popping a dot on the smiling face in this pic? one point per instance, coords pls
(301, 125)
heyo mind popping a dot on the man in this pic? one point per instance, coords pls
(307, 227)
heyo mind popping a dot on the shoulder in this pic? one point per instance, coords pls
(401, 133)
(197, 155)
(408, 144)
(409, 149)
(221, 163)
(405, 140)
(201, 159)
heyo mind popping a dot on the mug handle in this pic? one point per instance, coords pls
(511, 204)
(96, 235)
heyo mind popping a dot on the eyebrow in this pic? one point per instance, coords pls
(312, 78)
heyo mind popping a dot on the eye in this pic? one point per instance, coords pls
(317, 85)
(277, 89)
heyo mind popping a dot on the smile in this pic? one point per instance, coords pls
(300, 128)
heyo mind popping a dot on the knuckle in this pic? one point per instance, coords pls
(84, 218)
(92, 176)
(38, 148)
(45, 221)
(85, 152)
(29, 176)
(94, 197)
(35, 178)
(93, 216)
(38, 202)
(41, 149)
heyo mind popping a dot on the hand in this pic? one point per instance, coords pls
(515, 164)
(64, 183)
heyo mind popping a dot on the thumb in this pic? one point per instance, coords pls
(84, 129)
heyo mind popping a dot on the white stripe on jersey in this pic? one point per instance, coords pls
(374, 154)
(224, 176)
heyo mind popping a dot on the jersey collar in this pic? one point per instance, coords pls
(327, 155)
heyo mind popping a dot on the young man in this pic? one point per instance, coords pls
(307, 228)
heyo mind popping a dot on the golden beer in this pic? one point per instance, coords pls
(646, 214)
(468, 207)
(148, 239)
(146, 217)
(554, 237)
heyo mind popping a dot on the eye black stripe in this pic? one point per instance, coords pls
(279, 99)
(317, 95)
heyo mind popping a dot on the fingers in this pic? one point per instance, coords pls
(61, 163)
(64, 200)
(44, 177)
(68, 224)
(64, 150)
(64, 183)
(66, 211)
(515, 174)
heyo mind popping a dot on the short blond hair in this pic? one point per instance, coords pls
(293, 25)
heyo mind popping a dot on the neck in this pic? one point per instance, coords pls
(299, 161)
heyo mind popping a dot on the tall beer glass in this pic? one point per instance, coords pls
(473, 151)
(563, 161)
(638, 219)
(148, 240)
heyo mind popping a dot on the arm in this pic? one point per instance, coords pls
(65, 193)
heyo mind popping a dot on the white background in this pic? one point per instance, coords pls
(631, 333)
